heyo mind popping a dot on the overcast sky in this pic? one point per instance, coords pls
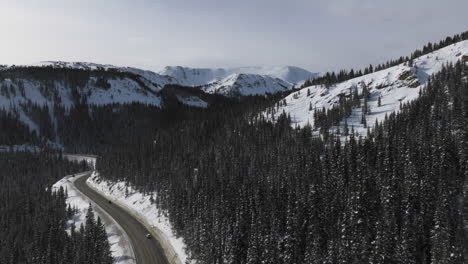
(317, 35)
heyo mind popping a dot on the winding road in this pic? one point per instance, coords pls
(147, 251)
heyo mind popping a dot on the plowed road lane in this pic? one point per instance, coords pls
(147, 251)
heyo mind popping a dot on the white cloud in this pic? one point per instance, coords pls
(319, 35)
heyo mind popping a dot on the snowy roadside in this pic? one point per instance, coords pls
(121, 248)
(141, 207)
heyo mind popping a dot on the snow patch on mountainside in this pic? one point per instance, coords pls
(123, 90)
(247, 84)
(395, 85)
(194, 76)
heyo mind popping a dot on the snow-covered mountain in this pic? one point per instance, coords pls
(247, 84)
(57, 82)
(54, 82)
(202, 76)
(122, 85)
(394, 85)
(291, 74)
(73, 65)
(63, 84)
(194, 76)
(101, 86)
(239, 81)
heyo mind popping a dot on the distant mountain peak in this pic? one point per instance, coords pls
(238, 84)
(201, 76)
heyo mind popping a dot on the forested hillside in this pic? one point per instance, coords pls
(234, 132)
(40, 96)
(338, 101)
(33, 218)
(241, 189)
(242, 179)
(81, 125)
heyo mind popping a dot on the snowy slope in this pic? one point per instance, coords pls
(202, 76)
(124, 90)
(397, 84)
(247, 84)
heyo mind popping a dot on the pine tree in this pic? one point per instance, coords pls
(363, 120)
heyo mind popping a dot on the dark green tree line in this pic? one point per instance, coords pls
(33, 217)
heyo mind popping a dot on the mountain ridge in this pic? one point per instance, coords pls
(200, 76)
(213, 78)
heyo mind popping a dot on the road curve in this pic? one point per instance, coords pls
(147, 251)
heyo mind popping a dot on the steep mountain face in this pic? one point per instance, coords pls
(247, 84)
(394, 86)
(202, 76)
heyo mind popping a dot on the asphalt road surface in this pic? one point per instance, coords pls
(147, 251)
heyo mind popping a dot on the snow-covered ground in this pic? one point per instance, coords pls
(121, 248)
(140, 205)
(395, 85)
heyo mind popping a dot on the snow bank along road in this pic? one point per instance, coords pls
(147, 251)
